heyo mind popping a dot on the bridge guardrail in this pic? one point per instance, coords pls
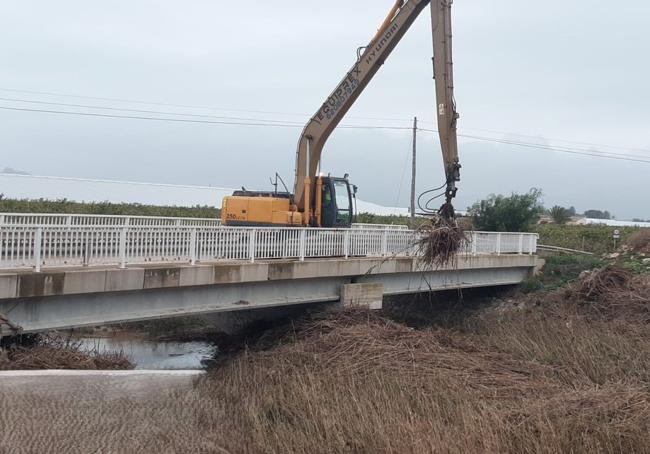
(102, 220)
(361, 225)
(96, 220)
(52, 245)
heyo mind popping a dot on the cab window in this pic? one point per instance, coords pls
(342, 196)
(327, 196)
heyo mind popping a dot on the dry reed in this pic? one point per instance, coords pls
(599, 283)
(440, 242)
(58, 353)
(355, 382)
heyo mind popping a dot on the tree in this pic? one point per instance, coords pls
(560, 215)
(597, 214)
(514, 213)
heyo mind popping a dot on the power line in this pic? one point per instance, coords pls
(555, 139)
(92, 180)
(304, 116)
(135, 117)
(255, 122)
(608, 155)
(551, 139)
(158, 112)
(135, 101)
(186, 106)
(577, 151)
(595, 153)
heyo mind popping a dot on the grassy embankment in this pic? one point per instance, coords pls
(566, 370)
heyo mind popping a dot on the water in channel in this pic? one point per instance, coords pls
(163, 355)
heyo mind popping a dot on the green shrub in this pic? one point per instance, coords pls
(560, 214)
(514, 213)
(531, 285)
(560, 270)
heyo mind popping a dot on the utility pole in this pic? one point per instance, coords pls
(415, 136)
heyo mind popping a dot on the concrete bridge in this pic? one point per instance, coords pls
(56, 276)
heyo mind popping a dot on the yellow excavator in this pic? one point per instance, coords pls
(326, 201)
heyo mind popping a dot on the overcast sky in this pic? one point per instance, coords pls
(576, 71)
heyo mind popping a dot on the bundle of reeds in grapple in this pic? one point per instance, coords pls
(440, 241)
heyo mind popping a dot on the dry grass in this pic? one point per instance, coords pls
(612, 293)
(640, 241)
(58, 353)
(599, 283)
(516, 381)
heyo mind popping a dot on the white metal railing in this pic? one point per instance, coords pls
(97, 220)
(360, 225)
(55, 245)
(42, 219)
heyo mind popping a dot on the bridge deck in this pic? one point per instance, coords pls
(72, 297)
(92, 271)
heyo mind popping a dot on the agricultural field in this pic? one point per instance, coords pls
(64, 206)
(597, 239)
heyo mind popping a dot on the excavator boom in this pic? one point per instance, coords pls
(372, 57)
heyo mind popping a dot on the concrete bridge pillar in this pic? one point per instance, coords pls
(368, 295)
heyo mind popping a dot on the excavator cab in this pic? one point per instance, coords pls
(336, 202)
(331, 206)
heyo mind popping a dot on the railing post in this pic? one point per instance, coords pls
(68, 221)
(252, 234)
(474, 243)
(123, 247)
(2, 219)
(38, 239)
(87, 243)
(533, 244)
(193, 247)
(303, 244)
(346, 243)
(521, 244)
(384, 243)
(499, 243)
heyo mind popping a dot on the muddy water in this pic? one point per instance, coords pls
(152, 355)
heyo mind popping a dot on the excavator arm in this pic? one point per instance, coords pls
(370, 59)
(443, 68)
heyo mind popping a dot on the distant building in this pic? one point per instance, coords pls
(610, 222)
